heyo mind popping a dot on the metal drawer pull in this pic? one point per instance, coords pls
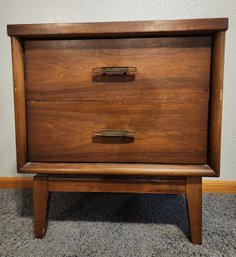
(114, 133)
(114, 70)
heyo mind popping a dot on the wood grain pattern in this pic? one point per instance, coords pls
(161, 27)
(221, 186)
(40, 198)
(19, 101)
(165, 132)
(168, 69)
(177, 139)
(15, 182)
(118, 169)
(216, 98)
(194, 202)
(208, 186)
(117, 185)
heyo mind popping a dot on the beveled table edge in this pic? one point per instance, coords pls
(118, 28)
(118, 169)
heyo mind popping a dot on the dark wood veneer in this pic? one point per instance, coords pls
(165, 132)
(174, 69)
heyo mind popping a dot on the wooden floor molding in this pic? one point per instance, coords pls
(219, 186)
(209, 186)
(15, 182)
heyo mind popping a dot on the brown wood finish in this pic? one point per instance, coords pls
(208, 186)
(137, 28)
(165, 132)
(118, 169)
(221, 186)
(15, 182)
(117, 185)
(177, 139)
(194, 203)
(168, 69)
(43, 185)
(193, 27)
(40, 198)
(19, 101)
(216, 98)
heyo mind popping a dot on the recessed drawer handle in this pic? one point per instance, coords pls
(114, 133)
(114, 70)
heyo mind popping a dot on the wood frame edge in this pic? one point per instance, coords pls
(19, 100)
(216, 102)
(154, 26)
(99, 169)
(111, 185)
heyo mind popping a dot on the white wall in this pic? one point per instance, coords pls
(33, 11)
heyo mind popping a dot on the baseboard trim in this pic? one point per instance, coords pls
(219, 186)
(208, 186)
(15, 182)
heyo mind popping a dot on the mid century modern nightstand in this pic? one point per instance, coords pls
(119, 107)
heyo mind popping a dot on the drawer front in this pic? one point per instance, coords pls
(164, 132)
(167, 69)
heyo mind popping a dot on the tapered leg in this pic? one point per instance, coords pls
(194, 202)
(40, 198)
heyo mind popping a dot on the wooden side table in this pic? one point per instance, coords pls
(119, 107)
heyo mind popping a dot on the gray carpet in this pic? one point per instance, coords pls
(90, 224)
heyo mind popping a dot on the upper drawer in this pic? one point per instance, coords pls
(173, 68)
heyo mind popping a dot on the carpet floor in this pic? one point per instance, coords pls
(119, 225)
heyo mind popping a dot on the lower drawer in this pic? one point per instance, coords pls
(164, 132)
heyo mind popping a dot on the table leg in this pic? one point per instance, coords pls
(40, 201)
(194, 202)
